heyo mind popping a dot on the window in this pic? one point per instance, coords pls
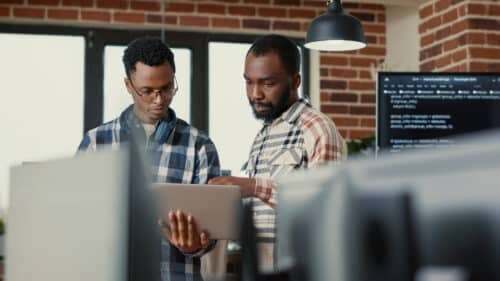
(41, 113)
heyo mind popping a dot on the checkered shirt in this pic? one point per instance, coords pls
(302, 137)
(179, 154)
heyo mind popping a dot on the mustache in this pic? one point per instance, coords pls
(261, 103)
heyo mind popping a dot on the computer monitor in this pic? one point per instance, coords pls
(396, 216)
(424, 110)
(84, 218)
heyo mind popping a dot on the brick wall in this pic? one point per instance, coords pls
(347, 88)
(460, 35)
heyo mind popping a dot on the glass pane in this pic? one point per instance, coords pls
(232, 124)
(116, 97)
(41, 113)
(229, 109)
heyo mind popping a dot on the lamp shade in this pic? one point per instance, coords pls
(335, 31)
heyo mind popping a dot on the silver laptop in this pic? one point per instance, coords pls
(216, 208)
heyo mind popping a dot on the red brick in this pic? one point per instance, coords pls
(443, 61)
(96, 16)
(479, 67)
(344, 97)
(229, 1)
(460, 26)
(301, 13)
(381, 18)
(305, 26)
(426, 11)
(179, 7)
(43, 2)
(129, 17)
(257, 1)
(462, 10)
(427, 67)
(360, 134)
(212, 8)
(431, 52)
(430, 24)
(271, 12)
(226, 22)
(366, 17)
(455, 68)
(346, 121)
(484, 24)
(194, 21)
(242, 10)
(484, 53)
(29, 12)
(347, 6)
(475, 9)
(368, 98)
(450, 45)
(324, 96)
(78, 3)
(493, 39)
(374, 28)
(342, 72)
(376, 7)
(368, 122)
(333, 84)
(364, 62)
(362, 110)
(257, 24)
(171, 19)
(330, 108)
(286, 25)
(62, 14)
(287, 2)
(356, 85)
(441, 5)
(450, 16)
(11, 1)
(4, 11)
(443, 33)
(371, 39)
(145, 5)
(427, 40)
(330, 60)
(494, 10)
(323, 72)
(381, 40)
(343, 133)
(363, 74)
(112, 4)
(376, 51)
(153, 18)
(459, 55)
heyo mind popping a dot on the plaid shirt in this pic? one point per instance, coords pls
(302, 137)
(180, 154)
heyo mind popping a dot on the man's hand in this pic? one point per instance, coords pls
(182, 233)
(247, 186)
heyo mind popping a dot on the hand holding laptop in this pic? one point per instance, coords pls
(182, 232)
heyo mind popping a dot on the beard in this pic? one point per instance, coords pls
(274, 110)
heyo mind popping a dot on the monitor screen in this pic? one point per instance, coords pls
(423, 110)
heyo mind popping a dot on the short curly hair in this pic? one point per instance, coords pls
(286, 49)
(148, 50)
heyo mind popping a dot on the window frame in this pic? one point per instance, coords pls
(96, 39)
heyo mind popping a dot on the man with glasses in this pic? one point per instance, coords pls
(179, 152)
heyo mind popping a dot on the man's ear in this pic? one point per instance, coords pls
(128, 85)
(296, 80)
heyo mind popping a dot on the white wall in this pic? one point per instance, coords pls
(403, 43)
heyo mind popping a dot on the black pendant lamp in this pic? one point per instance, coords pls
(335, 31)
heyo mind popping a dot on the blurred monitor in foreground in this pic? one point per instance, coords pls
(83, 218)
(414, 216)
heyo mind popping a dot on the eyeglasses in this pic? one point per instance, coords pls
(149, 93)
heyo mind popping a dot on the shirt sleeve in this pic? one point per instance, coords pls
(323, 143)
(207, 163)
(265, 190)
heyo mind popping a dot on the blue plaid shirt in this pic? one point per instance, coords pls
(179, 154)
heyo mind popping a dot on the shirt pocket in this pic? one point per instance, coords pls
(283, 161)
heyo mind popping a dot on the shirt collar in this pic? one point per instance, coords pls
(293, 112)
(164, 127)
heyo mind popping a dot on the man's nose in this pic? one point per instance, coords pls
(256, 93)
